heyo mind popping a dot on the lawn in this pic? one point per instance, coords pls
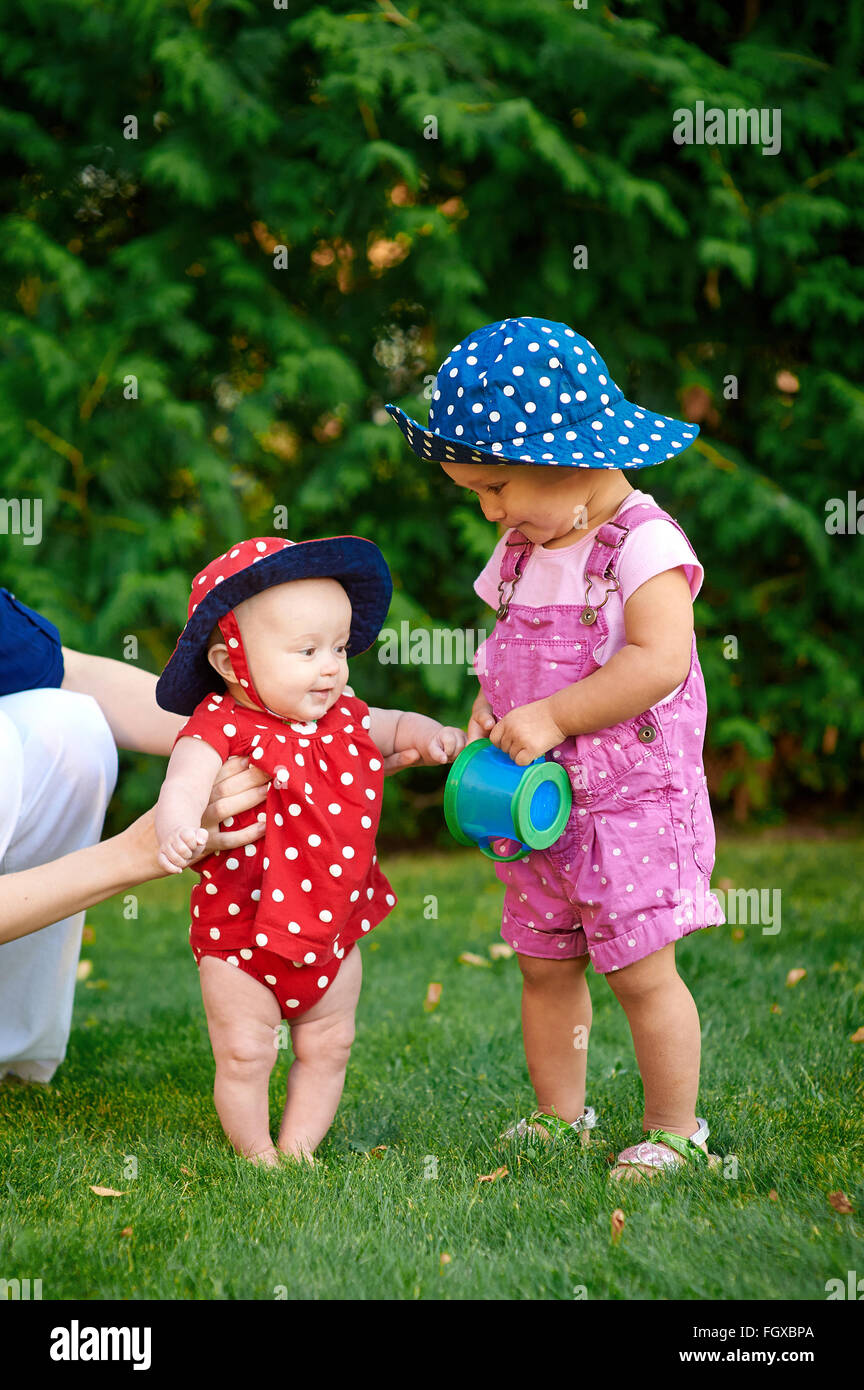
(394, 1209)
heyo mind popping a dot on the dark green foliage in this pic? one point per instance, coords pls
(259, 387)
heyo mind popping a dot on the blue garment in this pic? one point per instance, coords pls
(30, 654)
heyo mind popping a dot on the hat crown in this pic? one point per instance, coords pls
(237, 557)
(518, 378)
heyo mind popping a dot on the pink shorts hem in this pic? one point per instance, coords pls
(612, 953)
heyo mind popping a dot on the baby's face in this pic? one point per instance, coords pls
(543, 503)
(294, 636)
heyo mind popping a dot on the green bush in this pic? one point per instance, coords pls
(262, 374)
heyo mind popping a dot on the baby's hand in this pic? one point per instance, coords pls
(434, 742)
(180, 846)
(443, 746)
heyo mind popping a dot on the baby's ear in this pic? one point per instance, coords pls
(348, 691)
(221, 661)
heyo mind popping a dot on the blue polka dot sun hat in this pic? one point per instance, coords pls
(527, 390)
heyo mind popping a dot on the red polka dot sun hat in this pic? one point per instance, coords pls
(528, 390)
(246, 569)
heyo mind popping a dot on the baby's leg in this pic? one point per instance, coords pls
(665, 1027)
(322, 1040)
(242, 1016)
(556, 1021)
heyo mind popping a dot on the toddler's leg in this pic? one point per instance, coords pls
(556, 1021)
(665, 1027)
(322, 1040)
(242, 1016)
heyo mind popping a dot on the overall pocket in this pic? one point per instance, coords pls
(702, 826)
(533, 656)
(627, 764)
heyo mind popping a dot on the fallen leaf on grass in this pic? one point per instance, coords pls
(493, 1177)
(773, 1195)
(187, 1171)
(775, 1009)
(499, 950)
(433, 997)
(738, 934)
(85, 968)
(858, 1035)
(96, 984)
(794, 976)
(725, 884)
(106, 1191)
(840, 1202)
(127, 1231)
(445, 1260)
(616, 1222)
(378, 1151)
(469, 958)
(88, 935)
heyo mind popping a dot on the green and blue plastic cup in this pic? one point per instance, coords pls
(488, 797)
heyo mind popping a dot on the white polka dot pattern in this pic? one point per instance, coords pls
(536, 391)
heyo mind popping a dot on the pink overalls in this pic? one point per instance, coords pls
(631, 871)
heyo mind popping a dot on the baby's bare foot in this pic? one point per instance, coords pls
(301, 1155)
(267, 1158)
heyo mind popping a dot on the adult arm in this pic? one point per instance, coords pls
(127, 697)
(34, 898)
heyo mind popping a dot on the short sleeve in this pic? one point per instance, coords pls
(30, 648)
(487, 581)
(653, 547)
(209, 723)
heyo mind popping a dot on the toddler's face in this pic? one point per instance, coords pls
(544, 503)
(294, 636)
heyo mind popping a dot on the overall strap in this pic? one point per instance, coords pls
(601, 567)
(516, 552)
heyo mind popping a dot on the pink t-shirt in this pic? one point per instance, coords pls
(558, 576)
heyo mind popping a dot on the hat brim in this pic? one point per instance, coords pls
(651, 438)
(355, 562)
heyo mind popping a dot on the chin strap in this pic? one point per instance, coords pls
(230, 630)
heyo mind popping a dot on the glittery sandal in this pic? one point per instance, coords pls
(549, 1128)
(656, 1152)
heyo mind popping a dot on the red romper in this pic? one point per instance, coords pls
(287, 908)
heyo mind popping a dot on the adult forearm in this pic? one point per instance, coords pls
(34, 898)
(127, 698)
(630, 682)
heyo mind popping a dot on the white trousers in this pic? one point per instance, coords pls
(58, 768)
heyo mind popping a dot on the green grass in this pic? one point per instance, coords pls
(782, 1092)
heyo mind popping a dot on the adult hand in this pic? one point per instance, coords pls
(238, 787)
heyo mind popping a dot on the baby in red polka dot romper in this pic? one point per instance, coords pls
(274, 928)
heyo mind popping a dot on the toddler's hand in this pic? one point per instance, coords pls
(481, 719)
(527, 732)
(178, 848)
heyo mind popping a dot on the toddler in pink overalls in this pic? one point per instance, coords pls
(593, 663)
